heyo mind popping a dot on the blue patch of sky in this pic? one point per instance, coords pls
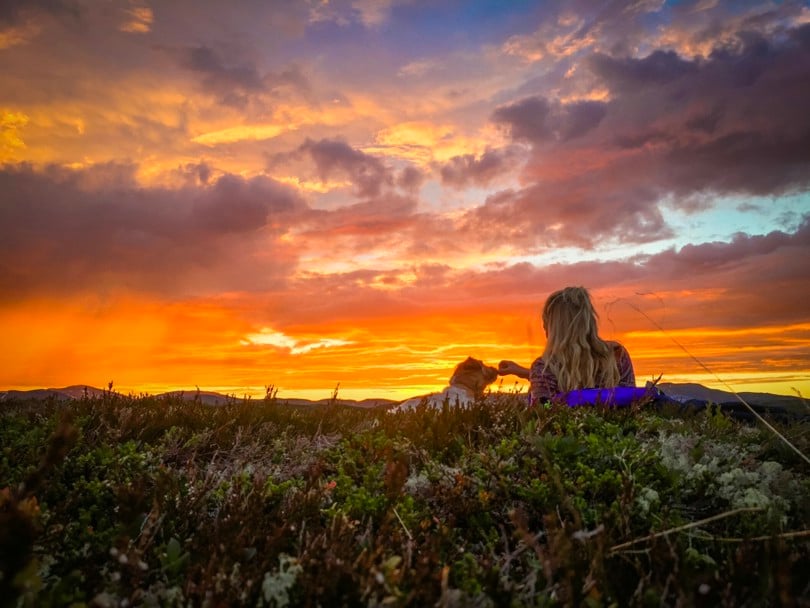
(448, 25)
(437, 198)
(655, 19)
(433, 198)
(671, 8)
(733, 5)
(720, 221)
(416, 30)
(726, 218)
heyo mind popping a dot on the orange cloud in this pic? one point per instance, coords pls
(11, 142)
(242, 133)
(424, 142)
(296, 346)
(22, 33)
(139, 20)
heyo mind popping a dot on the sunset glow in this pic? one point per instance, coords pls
(365, 192)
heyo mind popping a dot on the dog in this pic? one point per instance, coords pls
(467, 384)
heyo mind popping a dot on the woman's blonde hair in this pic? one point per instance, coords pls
(574, 352)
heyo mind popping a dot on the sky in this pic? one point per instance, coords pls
(356, 195)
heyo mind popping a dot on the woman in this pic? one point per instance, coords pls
(575, 356)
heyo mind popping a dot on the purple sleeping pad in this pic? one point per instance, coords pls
(618, 396)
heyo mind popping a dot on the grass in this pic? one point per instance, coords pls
(162, 502)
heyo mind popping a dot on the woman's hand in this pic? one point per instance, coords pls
(506, 368)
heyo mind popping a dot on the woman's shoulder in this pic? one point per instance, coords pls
(539, 367)
(617, 347)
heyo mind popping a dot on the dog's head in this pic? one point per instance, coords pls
(474, 375)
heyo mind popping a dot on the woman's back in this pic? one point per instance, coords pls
(544, 383)
(575, 357)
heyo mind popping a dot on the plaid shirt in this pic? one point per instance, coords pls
(544, 382)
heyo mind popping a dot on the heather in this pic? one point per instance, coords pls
(144, 501)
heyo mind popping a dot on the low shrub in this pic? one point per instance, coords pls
(140, 501)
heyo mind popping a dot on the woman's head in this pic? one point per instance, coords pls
(574, 352)
(568, 314)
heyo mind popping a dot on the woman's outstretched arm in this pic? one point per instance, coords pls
(506, 368)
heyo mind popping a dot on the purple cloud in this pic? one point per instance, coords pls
(536, 120)
(81, 230)
(658, 68)
(331, 156)
(465, 170)
(236, 80)
(11, 11)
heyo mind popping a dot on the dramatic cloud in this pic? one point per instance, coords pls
(203, 59)
(526, 119)
(11, 11)
(466, 170)
(368, 173)
(732, 123)
(534, 120)
(658, 68)
(234, 82)
(577, 200)
(268, 337)
(83, 230)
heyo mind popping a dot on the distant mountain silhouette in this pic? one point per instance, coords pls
(77, 391)
(685, 391)
(81, 391)
(681, 392)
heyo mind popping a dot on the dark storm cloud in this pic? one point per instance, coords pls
(580, 117)
(732, 123)
(762, 279)
(584, 207)
(525, 119)
(536, 120)
(735, 123)
(331, 156)
(706, 121)
(465, 170)
(236, 205)
(710, 258)
(63, 229)
(658, 68)
(221, 76)
(11, 11)
(236, 80)
(744, 161)
(410, 179)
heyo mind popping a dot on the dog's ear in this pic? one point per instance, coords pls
(490, 373)
(469, 364)
(487, 372)
(484, 376)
